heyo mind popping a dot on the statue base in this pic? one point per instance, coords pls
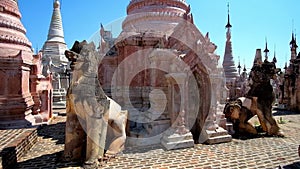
(218, 135)
(172, 141)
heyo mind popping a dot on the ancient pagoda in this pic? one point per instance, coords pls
(291, 82)
(15, 62)
(161, 69)
(54, 60)
(229, 67)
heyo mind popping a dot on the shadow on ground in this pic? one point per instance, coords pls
(284, 112)
(49, 161)
(295, 165)
(55, 132)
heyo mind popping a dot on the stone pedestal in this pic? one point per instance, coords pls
(177, 136)
(171, 140)
(219, 135)
(213, 132)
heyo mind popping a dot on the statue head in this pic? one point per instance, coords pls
(83, 56)
(232, 109)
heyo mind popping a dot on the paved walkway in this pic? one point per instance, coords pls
(268, 152)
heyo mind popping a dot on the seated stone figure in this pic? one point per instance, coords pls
(240, 111)
(90, 113)
(259, 101)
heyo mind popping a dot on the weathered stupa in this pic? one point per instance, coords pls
(161, 69)
(228, 63)
(15, 62)
(54, 59)
(25, 95)
(291, 82)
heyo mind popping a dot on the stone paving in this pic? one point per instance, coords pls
(263, 152)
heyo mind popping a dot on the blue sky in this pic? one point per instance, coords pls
(253, 21)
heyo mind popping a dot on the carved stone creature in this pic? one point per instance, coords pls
(261, 87)
(259, 101)
(240, 111)
(90, 113)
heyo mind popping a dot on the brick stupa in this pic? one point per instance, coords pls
(145, 71)
(15, 61)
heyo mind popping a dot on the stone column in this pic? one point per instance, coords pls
(178, 135)
(214, 132)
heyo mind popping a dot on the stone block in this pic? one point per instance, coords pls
(219, 139)
(217, 136)
(176, 141)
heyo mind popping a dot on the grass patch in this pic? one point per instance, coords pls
(281, 121)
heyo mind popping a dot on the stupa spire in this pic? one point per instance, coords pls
(293, 46)
(244, 70)
(228, 20)
(56, 33)
(266, 51)
(55, 45)
(274, 58)
(228, 63)
(239, 67)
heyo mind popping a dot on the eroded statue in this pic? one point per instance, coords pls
(91, 115)
(258, 102)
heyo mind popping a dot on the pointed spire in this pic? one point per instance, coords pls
(285, 67)
(244, 74)
(55, 45)
(102, 30)
(244, 68)
(230, 69)
(56, 33)
(228, 20)
(37, 48)
(274, 58)
(266, 51)
(239, 67)
(293, 41)
(293, 46)
(296, 40)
